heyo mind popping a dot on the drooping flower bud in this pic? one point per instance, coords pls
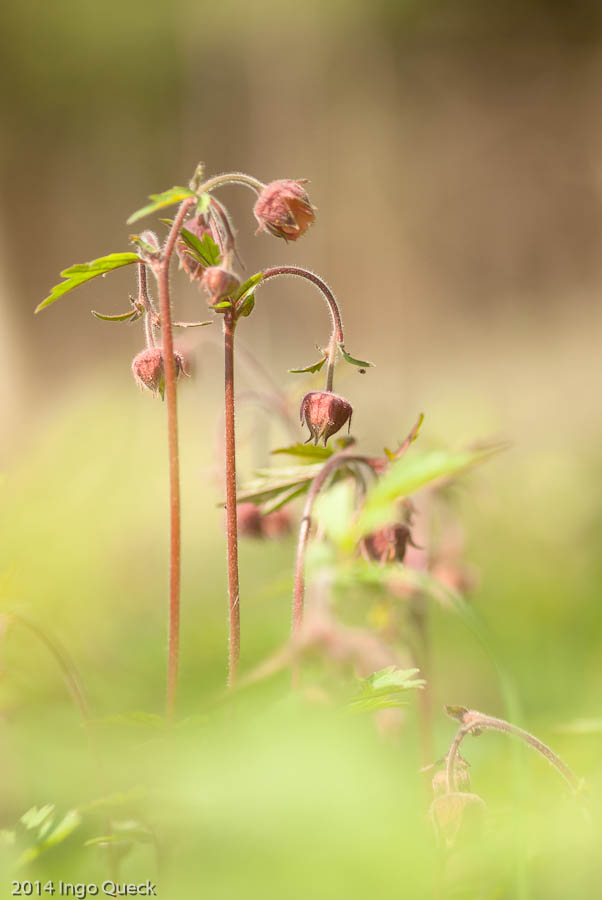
(283, 209)
(219, 283)
(198, 226)
(149, 372)
(277, 524)
(324, 413)
(388, 544)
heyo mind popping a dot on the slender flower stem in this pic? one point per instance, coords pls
(231, 520)
(338, 459)
(476, 721)
(337, 337)
(231, 178)
(144, 300)
(174, 464)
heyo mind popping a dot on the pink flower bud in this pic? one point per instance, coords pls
(324, 413)
(219, 283)
(148, 370)
(199, 227)
(283, 209)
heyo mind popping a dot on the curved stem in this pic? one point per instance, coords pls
(338, 459)
(174, 464)
(333, 306)
(144, 300)
(231, 519)
(473, 720)
(231, 178)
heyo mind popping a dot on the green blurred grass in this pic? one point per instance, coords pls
(270, 794)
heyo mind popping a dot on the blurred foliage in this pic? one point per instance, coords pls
(270, 792)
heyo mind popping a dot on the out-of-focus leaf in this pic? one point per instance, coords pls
(34, 817)
(354, 362)
(137, 719)
(270, 483)
(385, 689)
(190, 324)
(82, 272)
(204, 250)
(407, 475)
(129, 831)
(283, 498)
(46, 841)
(334, 510)
(158, 201)
(129, 316)
(583, 727)
(305, 451)
(314, 367)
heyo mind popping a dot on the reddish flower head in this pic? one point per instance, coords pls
(199, 227)
(283, 209)
(148, 370)
(324, 413)
(249, 520)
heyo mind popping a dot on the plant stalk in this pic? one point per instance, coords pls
(169, 367)
(231, 518)
(475, 721)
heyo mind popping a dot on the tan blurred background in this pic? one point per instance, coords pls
(454, 151)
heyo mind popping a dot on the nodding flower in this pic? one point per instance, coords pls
(283, 208)
(324, 413)
(149, 372)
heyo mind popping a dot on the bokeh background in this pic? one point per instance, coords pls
(455, 156)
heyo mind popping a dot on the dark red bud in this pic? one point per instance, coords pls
(324, 413)
(148, 370)
(283, 209)
(388, 544)
(250, 520)
(219, 283)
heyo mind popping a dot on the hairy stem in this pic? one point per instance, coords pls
(144, 300)
(473, 720)
(231, 178)
(338, 459)
(174, 463)
(231, 521)
(333, 306)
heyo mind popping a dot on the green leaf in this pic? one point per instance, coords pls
(190, 324)
(204, 250)
(305, 451)
(78, 274)
(244, 306)
(407, 475)
(314, 367)
(129, 316)
(247, 285)
(34, 817)
(271, 483)
(45, 842)
(158, 201)
(385, 689)
(582, 727)
(334, 510)
(354, 362)
(203, 204)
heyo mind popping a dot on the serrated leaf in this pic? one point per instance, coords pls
(158, 201)
(129, 316)
(314, 367)
(82, 272)
(354, 362)
(385, 689)
(204, 250)
(408, 474)
(246, 286)
(305, 451)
